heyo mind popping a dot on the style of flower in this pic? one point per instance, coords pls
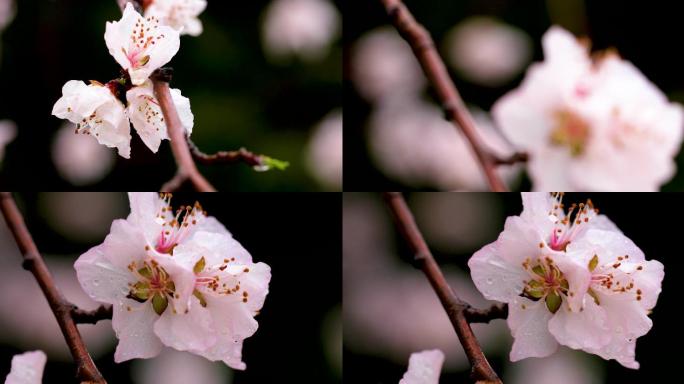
(571, 278)
(98, 112)
(176, 279)
(591, 123)
(140, 44)
(27, 368)
(424, 367)
(181, 15)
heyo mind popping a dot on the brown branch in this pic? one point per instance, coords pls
(225, 157)
(82, 316)
(457, 310)
(496, 311)
(187, 170)
(86, 370)
(454, 108)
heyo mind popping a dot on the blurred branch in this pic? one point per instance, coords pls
(459, 312)
(454, 108)
(82, 316)
(86, 370)
(136, 4)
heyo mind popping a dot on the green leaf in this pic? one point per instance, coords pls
(553, 302)
(268, 163)
(199, 266)
(159, 303)
(593, 263)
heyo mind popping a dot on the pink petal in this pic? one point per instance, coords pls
(27, 368)
(100, 279)
(494, 277)
(134, 329)
(528, 321)
(581, 329)
(424, 368)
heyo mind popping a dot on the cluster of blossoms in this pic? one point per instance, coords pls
(591, 122)
(175, 279)
(569, 278)
(140, 45)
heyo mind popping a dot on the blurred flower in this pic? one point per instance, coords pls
(324, 155)
(81, 217)
(7, 11)
(140, 45)
(411, 141)
(572, 279)
(174, 367)
(147, 117)
(479, 219)
(564, 367)
(30, 324)
(303, 28)
(78, 158)
(591, 124)
(8, 131)
(487, 51)
(424, 368)
(383, 66)
(174, 279)
(27, 368)
(381, 313)
(181, 15)
(385, 299)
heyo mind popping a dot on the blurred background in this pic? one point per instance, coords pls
(390, 310)
(264, 75)
(396, 136)
(300, 325)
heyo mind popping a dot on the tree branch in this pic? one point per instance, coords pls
(226, 157)
(187, 170)
(82, 316)
(86, 370)
(454, 108)
(457, 310)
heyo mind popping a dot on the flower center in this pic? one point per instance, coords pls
(176, 228)
(568, 226)
(570, 131)
(610, 279)
(213, 281)
(546, 282)
(154, 284)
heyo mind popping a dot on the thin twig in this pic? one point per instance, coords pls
(225, 157)
(454, 108)
(86, 370)
(456, 309)
(496, 311)
(82, 316)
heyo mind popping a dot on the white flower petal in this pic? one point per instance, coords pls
(191, 330)
(528, 321)
(582, 329)
(496, 278)
(27, 368)
(134, 329)
(100, 279)
(424, 368)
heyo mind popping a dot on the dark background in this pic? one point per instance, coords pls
(238, 97)
(299, 236)
(645, 33)
(642, 217)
